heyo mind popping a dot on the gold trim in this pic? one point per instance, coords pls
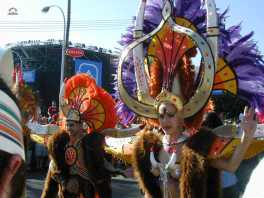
(203, 92)
(167, 96)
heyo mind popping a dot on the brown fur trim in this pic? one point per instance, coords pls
(197, 178)
(94, 156)
(50, 189)
(56, 148)
(193, 174)
(141, 163)
(93, 146)
(201, 141)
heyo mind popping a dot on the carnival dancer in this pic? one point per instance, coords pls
(77, 162)
(78, 166)
(179, 165)
(12, 154)
(157, 80)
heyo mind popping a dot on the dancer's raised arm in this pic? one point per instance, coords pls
(248, 126)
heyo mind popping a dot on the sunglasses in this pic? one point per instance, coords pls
(169, 114)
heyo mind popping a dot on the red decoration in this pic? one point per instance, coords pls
(74, 52)
(70, 156)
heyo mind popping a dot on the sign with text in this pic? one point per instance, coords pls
(93, 68)
(29, 76)
(74, 52)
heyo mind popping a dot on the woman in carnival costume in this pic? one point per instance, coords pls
(158, 81)
(78, 166)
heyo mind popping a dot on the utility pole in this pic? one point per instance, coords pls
(68, 69)
(68, 23)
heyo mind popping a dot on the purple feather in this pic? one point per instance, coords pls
(239, 51)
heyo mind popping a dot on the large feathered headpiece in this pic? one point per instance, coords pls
(82, 100)
(183, 47)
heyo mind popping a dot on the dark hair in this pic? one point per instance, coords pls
(212, 120)
(19, 180)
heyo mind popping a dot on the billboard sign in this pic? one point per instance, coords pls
(74, 52)
(93, 68)
(29, 76)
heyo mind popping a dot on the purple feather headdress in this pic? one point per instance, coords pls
(239, 51)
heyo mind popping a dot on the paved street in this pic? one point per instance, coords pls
(121, 187)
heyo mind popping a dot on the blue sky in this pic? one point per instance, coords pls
(116, 12)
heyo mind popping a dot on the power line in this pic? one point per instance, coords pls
(54, 26)
(61, 25)
(58, 30)
(103, 21)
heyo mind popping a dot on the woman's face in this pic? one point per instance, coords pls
(170, 119)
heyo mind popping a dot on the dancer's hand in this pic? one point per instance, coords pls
(249, 123)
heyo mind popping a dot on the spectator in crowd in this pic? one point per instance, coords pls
(254, 187)
(12, 154)
(52, 112)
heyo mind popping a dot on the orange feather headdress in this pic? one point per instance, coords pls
(94, 105)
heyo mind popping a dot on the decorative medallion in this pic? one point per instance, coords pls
(70, 155)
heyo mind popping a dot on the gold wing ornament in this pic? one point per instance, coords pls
(229, 137)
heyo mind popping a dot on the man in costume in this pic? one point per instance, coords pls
(78, 166)
(12, 155)
(174, 156)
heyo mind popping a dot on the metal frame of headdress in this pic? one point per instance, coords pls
(208, 49)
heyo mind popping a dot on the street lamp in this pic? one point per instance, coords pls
(45, 10)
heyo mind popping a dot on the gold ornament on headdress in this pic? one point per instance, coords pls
(166, 96)
(143, 104)
(73, 115)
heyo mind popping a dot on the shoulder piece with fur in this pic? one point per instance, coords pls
(141, 163)
(197, 177)
(93, 144)
(56, 148)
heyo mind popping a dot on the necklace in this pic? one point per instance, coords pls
(169, 147)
